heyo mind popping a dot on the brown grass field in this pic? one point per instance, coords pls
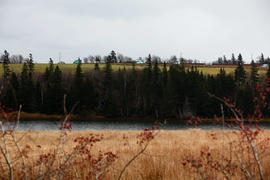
(162, 159)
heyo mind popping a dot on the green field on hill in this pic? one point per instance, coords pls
(87, 67)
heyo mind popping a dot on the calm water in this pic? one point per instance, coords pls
(115, 125)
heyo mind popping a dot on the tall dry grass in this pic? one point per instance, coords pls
(163, 158)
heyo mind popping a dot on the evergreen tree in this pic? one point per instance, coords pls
(262, 60)
(38, 97)
(157, 93)
(107, 95)
(78, 79)
(146, 102)
(132, 90)
(165, 74)
(10, 96)
(14, 82)
(26, 90)
(97, 59)
(233, 59)
(109, 59)
(75, 93)
(121, 86)
(96, 67)
(51, 66)
(267, 60)
(182, 64)
(267, 108)
(57, 91)
(6, 70)
(268, 71)
(30, 64)
(225, 59)
(149, 62)
(240, 73)
(254, 76)
(113, 57)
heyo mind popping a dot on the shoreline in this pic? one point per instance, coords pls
(93, 117)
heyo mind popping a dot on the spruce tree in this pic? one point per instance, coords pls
(10, 96)
(157, 93)
(268, 71)
(107, 95)
(149, 62)
(38, 97)
(30, 64)
(113, 57)
(262, 60)
(147, 85)
(240, 73)
(121, 86)
(109, 59)
(148, 69)
(78, 79)
(26, 95)
(267, 108)
(6, 70)
(156, 72)
(96, 67)
(254, 76)
(182, 64)
(233, 59)
(51, 66)
(75, 93)
(133, 87)
(46, 76)
(165, 74)
(57, 91)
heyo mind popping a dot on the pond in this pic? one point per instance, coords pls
(117, 125)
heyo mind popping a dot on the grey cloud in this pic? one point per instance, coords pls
(198, 29)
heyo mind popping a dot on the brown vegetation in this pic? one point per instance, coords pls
(163, 158)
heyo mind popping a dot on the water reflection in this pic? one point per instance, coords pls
(116, 125)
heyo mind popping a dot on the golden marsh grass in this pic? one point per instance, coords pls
(162, 159)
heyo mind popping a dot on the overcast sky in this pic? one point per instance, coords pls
(197, 29)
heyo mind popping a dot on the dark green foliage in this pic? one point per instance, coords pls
(51, 66)
(262, 60)
(55, 93)
(240, 73)
(244, 99)
(10, 98)
(96, 67)
(254, 76)
(26, 89)
(233, 59)
(165, 74)
(157, 93)
(108, 103)
(52, 94)
(6, 70)
(30, 65)
(268, 71)
(149, 62)
(153, 91)
(113, 57)
(75, 93)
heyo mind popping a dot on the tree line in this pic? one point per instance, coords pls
(172, 91)
(233, 60)
(120, 58)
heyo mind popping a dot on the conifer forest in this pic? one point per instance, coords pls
(168, 91)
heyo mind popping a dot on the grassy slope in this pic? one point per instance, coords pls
(86, 67)
(162, 159)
